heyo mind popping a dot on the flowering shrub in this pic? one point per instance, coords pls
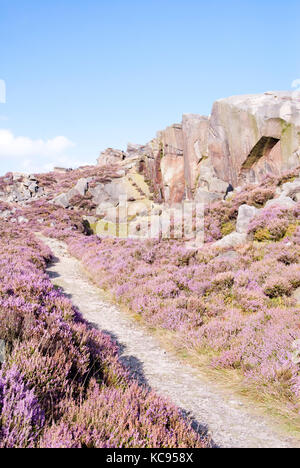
(274, 223)
(220, 217)
(236, 309)
(239, 310)
(21, 418)
(62, 383)
(128, 418)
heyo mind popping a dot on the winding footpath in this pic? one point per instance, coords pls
(225, 418)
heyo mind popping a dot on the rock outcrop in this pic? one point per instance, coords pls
(231, 240)
(111, 156)
(244, 139)
(282, 201)
(195, 134)
(245, 216)
(292, 190)
(20, 188)
(254, 135)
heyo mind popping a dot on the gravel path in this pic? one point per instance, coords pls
(229, 422)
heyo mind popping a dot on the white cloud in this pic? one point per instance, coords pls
(31, 155)
(22, 147)
(296, 83)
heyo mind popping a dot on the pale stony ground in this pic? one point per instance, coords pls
(227, 419)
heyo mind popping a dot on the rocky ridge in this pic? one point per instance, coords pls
(244, 139)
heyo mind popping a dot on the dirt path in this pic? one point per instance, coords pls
(226, 418)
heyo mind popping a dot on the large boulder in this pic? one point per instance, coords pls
(253, 135)
(291, 189)
(115, 189)
(104, 208)
(282, 201)
(111, 156)
(61, 200)
(5, 214)
(232, 240)
(245, 216)
(205, 196)
(82, 186)
(99, 194)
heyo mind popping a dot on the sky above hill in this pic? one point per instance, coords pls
(83, 75)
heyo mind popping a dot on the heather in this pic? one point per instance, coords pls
(234, 307)
(62, 384)
(220, 217)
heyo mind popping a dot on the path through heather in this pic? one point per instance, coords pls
(227, 419)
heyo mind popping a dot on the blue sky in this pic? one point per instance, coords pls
(82, 75)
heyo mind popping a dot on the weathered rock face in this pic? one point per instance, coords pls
(162, 163)
(245, 216)
(172, 163)
(62, 200)
(244, 139)
(291, 189)
(195, 137)
(21, 188)
(282, 201)
(111, 156)
(82, 186)
(232, 240)
(251, 136)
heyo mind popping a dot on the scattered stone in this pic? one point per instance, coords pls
(2, 351)
(115, 189)
(120, 173)
(40, 191)
(5, 214)
(33, 187)
(18, 175)
(91, 219)
(103, 209)
(204, 196)
(61, 200)
(291, 189)
(296, 296)
(62, 170)
(82, 186)
(217, 186)
(22, 219)
(232, 240)
(282, 201)
(229, 255)
(245, 216)
(111, 156)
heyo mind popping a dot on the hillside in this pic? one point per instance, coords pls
(229, 307)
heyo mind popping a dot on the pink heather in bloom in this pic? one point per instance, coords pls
(62, 384)
(239, 309)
